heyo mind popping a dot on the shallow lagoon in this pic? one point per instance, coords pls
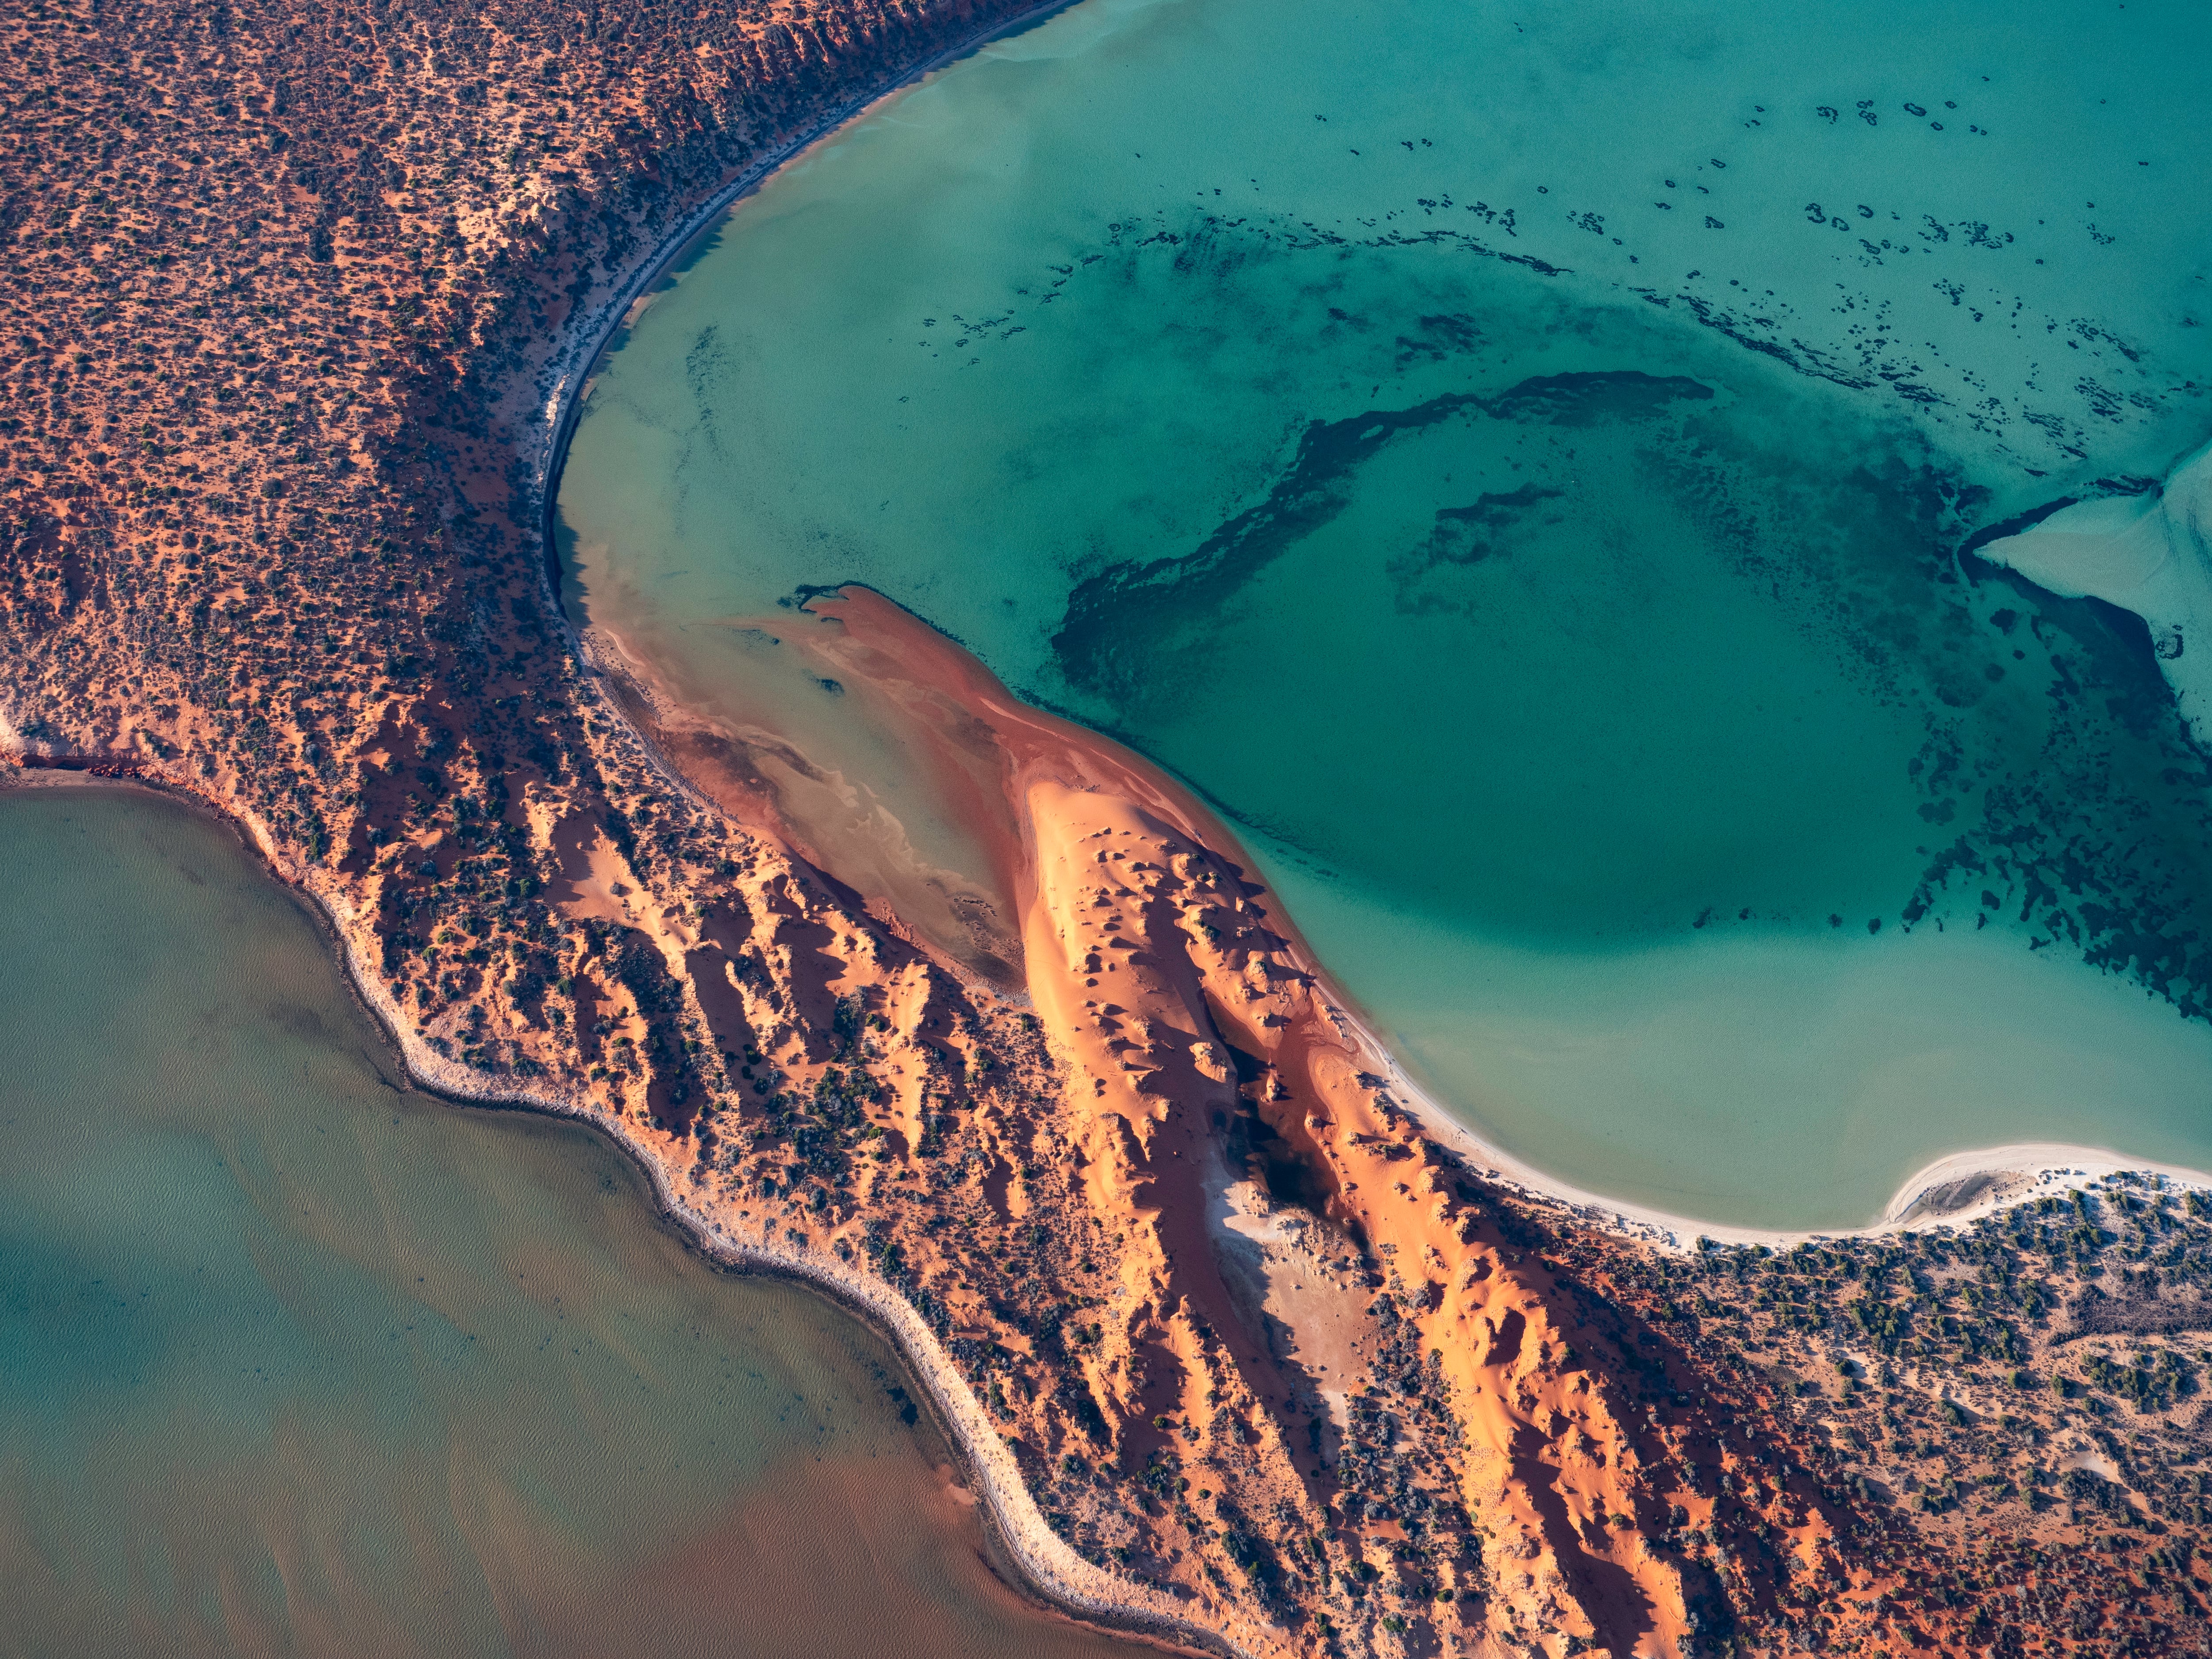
(292, 1362)
(1457, 446)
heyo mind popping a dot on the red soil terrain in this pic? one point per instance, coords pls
(1249, 1353)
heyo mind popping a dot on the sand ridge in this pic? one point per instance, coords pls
(1158, 962)
(1244, 1350)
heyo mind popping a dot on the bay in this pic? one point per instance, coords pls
(1524, 473)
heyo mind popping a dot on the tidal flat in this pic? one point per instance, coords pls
(296, 1360)
(1525, 475)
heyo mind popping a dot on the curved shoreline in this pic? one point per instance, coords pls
(2020, 1172)
(1049, 1567)
(565, 376)
(1072, 1588)
(2033, 1169)
(1010, 1515)
(1049, 1571)
(549, 897)
(2023, 1171)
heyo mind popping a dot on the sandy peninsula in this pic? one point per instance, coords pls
(1247, 1348)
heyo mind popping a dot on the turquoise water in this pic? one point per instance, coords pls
(293, 1363)
(1522, 471)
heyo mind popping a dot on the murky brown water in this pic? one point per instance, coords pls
(292, 1362)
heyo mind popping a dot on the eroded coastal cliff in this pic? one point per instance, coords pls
(1244, 1352)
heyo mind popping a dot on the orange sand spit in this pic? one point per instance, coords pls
(1238, 1352)
(1182, 998)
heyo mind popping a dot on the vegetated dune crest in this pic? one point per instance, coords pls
(1242, 1350)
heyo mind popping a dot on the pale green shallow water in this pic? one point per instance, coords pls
(1517, 469)
(291, 1362)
